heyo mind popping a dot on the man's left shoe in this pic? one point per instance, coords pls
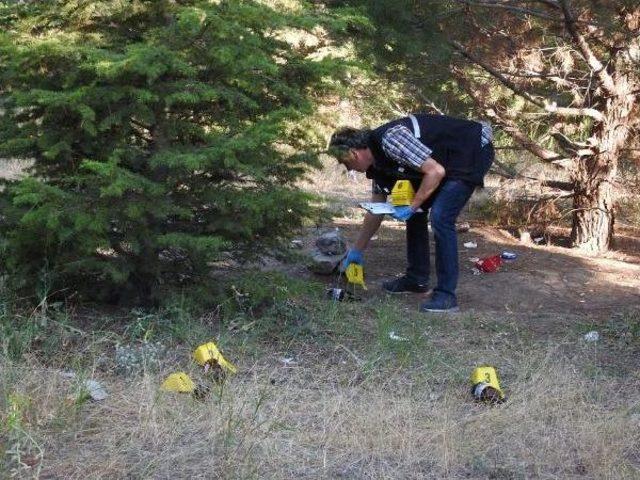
(440, 304)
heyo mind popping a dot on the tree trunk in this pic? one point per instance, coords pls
(593, 214)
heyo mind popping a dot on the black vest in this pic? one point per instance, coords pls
(455, 144)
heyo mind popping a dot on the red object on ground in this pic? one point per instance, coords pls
(489, 264)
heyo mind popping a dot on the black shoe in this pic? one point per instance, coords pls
(403, 284)
(440, 304)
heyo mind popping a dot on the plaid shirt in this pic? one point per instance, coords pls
(401, 145)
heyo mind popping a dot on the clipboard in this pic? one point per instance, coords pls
(378, 208)
(381, 208)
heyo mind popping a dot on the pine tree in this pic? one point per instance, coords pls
(560, 78)
(155, 126)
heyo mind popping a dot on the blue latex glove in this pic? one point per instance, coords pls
(353, 256)
(403, 213)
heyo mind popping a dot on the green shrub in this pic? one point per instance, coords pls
(157, 129)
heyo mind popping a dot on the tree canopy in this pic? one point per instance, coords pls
(560, 78)
(155, 127)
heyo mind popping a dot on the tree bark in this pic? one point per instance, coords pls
(601, 42)
(593, 214)
(594, 199)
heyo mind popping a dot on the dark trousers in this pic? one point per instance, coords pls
(445, 205)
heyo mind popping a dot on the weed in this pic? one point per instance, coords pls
(356, 402)
(397, 336)
(625, 327)
(18, 335)
(22, 454)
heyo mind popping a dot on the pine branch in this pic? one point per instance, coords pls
(548, 156)
(561, 82)
(552, 77)
(495, 73)
(574, 112)
(594, 63)
(511, 8)
(575, 149)
(542, 103)
(549, 3)
(557, 184)
(512, 175)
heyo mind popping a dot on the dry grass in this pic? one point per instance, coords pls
(378, 409)
(353, 404)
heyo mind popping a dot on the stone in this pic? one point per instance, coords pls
(331, 243)
(95, 390)
(323, 264)
(463, 227)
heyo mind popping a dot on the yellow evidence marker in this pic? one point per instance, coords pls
(402, 193)
(179, 382)
(484, 379)
(355, 274)
(208, 355)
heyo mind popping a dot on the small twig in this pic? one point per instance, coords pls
(358, 360)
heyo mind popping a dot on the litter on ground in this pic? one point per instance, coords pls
(592, 336)
(393, 336)
(489, 264)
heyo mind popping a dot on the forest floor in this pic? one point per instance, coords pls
(543, 280)
(364, 389)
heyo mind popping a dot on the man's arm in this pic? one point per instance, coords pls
(370, 225)
(400, 144)
(433, 175)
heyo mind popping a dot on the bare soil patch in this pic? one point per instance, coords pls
(543, 279)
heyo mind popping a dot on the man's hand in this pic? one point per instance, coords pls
(353, 256)
(403, 213)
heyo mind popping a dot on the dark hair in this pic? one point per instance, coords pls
(346, 138)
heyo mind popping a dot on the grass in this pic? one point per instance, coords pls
(324, 391)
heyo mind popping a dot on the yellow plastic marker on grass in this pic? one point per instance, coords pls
(208, 354)
(483, 377)
(179, 382)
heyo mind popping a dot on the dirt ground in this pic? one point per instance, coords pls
(546, 279)
(543, 279)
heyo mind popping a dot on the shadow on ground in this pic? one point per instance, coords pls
(543, 279)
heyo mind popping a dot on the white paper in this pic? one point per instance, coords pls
(393, 336)
(381, 208)
(592, 336)
(378, 208)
